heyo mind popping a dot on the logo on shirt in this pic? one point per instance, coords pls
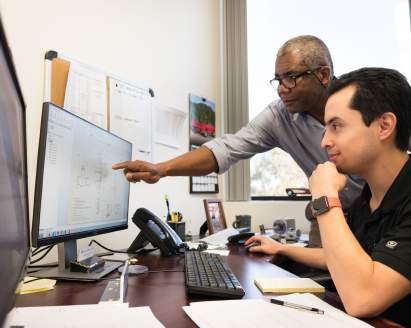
(391, 244)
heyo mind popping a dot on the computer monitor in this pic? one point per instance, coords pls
(14, 224)
(77, 194)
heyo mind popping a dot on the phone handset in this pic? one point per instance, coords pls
(155, 231)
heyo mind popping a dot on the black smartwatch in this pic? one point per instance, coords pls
(323, 204)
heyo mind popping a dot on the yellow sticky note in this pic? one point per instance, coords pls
(34, 285)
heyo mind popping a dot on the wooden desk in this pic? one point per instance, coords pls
(165, 292)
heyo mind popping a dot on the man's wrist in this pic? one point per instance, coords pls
(163, 169)
(323, 204)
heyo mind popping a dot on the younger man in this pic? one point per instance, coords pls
(368, 119)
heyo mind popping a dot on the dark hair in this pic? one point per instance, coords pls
(379, 90)
(313, 51)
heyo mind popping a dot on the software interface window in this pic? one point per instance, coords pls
(80, 190)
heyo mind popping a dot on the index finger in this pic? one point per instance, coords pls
(121, 165)
(250, 240)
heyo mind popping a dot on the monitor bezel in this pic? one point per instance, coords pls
(36, 242)
(10, 65)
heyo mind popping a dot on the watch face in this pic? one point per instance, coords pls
(320, 205)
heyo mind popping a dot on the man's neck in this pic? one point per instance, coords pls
(381, 175)
(318, 111)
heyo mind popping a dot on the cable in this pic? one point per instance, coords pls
(43, 256)
(155, 271)
(39, 250)
(141, 250)
(106, 248)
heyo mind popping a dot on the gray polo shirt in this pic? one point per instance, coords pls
(297, 134)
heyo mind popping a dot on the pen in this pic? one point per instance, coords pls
(296, 306)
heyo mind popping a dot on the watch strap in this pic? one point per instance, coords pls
(333, 202)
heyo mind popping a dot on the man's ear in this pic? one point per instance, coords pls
(324, 75)
(387, 124)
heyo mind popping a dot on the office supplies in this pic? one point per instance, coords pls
(155, 231)
(169, 125)
(179, 228)
(242, 223)
(288, 285)
(34, 285)
(215, 215)
(116, 289)
(260, 313)
(296, 306)
(14, 207)
(111, 102)
(88, 199)
(168, 208)
(285, 229)
(208, 274)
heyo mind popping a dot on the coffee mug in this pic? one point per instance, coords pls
(242, 222)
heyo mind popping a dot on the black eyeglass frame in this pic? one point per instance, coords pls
(293, 77)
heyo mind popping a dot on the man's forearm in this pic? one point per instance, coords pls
(194, 163)
(313, 257)
(350, 266)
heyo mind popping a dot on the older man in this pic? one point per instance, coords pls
(295, 123)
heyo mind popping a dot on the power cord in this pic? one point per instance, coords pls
(47, 250)
(141, 250)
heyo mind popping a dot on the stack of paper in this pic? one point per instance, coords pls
(80, 316)
(221, 237)
(262, 314)
(288, 285)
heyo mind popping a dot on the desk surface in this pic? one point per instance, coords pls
(165, 292)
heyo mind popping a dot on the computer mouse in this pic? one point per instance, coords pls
(240, 238)
(256, 243)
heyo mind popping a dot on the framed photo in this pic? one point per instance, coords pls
(215, 215)
(202, 129)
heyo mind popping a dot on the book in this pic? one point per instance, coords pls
(288, 285)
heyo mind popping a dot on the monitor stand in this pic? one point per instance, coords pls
(67, 253)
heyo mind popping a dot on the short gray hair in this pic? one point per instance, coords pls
(313, 51)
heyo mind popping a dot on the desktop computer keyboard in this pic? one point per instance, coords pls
(207, 274)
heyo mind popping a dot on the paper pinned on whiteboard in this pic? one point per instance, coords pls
(86, 94)
(168, 125)
(130, 108)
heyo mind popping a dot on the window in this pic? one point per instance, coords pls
(380, 28)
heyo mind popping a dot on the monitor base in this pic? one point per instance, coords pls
(59, 274)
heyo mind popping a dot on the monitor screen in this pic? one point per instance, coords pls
(14, 231)
(77, 193)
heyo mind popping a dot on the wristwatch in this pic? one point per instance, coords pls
(323, 204)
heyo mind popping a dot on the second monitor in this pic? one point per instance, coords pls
(77, 193)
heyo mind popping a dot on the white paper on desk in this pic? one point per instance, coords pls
(86, 94)
(168, 125)
(221, 237)
(262, 314)
(80, 316)
(130, 115)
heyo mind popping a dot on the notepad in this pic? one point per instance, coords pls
(288, 285)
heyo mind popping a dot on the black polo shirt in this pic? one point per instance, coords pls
(385, 234)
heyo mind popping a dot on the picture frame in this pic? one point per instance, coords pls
(215, 215)
(202, 128)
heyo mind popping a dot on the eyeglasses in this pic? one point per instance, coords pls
(290, 80)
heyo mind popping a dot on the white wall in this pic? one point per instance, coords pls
(172, 46)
